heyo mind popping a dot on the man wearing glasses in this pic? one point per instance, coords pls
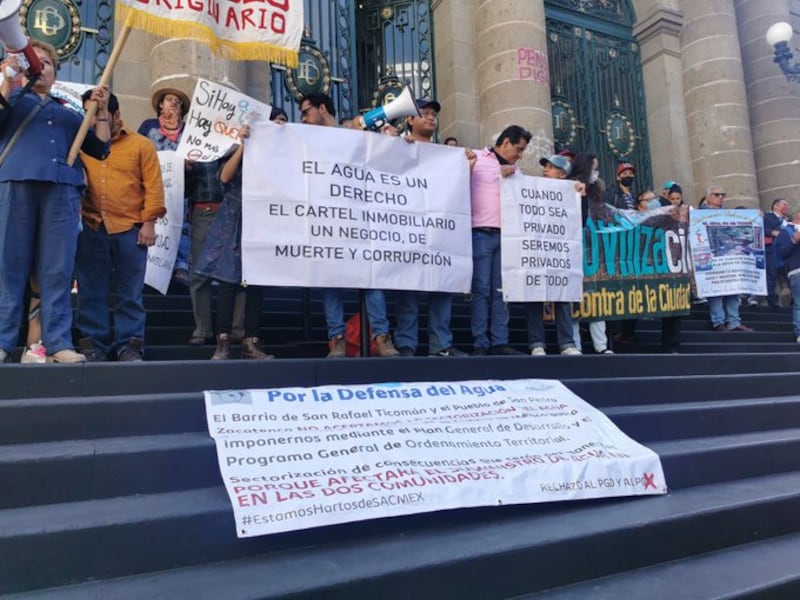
(724, 309)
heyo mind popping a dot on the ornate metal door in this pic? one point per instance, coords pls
(596, 83)
(395, 48)
(80, 30)
(327, 59)
(359, 53)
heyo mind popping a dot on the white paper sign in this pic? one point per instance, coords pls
(215, 116)
(70, 93)
(542, 240)
(294, 458)
(331, 207)
(161, 256)
(728, 252)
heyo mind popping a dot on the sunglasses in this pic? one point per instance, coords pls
(719, 194)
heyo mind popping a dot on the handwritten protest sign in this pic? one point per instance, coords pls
(541, 245)
(636, 264)
(294, 458)
(331, 207)
(728, 252)
(161, 256)
(269, 31)
(215, 116)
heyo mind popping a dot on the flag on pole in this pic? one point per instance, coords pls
(270, 30)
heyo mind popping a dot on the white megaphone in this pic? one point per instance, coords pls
(402, 106)
(14, 40)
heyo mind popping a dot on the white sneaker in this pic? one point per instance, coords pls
(797, 340)
(571, 351)
(67, 355)
(538, 351)
(5, 357)
(35, 353)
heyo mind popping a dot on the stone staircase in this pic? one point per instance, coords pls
(109, 486)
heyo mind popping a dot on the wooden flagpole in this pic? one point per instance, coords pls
(91, 107)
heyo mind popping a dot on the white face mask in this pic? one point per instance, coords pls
(594, 177)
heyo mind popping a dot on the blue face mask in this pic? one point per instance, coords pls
(654, 203)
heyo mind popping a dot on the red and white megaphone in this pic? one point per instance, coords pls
(14, 40)
(402, 106)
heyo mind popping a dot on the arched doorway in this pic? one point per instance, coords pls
(597, 88)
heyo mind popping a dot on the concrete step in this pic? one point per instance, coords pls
(762, 569)
(682, 420)
(74, 470)
(480, 553)
(749, 375)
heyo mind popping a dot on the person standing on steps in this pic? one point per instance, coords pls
(40, 196)
(440, 338)
(488, 310)
(318, 109)
(124, 197)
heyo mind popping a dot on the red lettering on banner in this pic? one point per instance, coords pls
(649, 480)
(251, 500)
(232, 17)
(247, 18)
(278, 24)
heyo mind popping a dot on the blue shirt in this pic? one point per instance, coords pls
(40, 154)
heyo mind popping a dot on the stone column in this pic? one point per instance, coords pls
(131, 81)
(774, 103)
(178, 62)
(512, 73)
(716, 101)
(657, 31)
(456, 89)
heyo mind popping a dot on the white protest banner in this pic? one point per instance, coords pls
(333, 207)
(161, 256)
(294, 458)
(266, 30)
(728, 252)
(215, 116)
(542, 240)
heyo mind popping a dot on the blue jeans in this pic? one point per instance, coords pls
(794, 285)
(724, 309)
(439, 307)
(334, 311)
(103, 257)
(534, 315)
(772, 274)
(38, 226)
(185, 243)
(487, 299)
(200, 286)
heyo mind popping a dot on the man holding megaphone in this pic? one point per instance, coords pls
(40, 196)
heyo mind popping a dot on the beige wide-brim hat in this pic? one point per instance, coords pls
(161, 92)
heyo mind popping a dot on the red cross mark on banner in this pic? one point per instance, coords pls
(648, 480)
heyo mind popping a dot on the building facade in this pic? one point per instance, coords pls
(686, 90)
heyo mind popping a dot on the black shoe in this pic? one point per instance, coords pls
(406, 351)
(91, 353)
(505, 350)
(451, 351)
(181, 276)
(132, 352)
(480, 351)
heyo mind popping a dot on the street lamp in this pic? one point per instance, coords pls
(778, 36)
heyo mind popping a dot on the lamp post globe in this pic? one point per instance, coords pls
(779, 32)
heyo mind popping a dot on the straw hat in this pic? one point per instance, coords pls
(159, 94)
